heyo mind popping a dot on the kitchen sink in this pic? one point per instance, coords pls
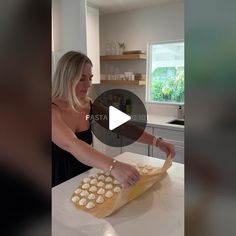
(176, 122)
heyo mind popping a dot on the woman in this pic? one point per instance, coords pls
(71, 131)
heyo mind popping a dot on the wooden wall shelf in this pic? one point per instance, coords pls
(123, 82)
(123, 57)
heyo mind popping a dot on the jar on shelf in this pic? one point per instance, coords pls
(121, 48)
(111, 74)
(113, 48)
(117, 72)
(108, 48)
(106, 71)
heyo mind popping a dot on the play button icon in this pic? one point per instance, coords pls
(117, 118)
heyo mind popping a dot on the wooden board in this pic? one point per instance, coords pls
(123, 82)
(123, 57)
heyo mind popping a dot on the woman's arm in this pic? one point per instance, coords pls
(149, 139)
(65, 138)
(132, 130)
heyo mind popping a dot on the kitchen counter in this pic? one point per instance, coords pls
(161, 122)
(159, 211)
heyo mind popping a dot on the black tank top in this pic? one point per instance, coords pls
(65, 165)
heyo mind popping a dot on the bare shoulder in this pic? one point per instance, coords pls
(56, 111)
(55, 107)
(57, 118)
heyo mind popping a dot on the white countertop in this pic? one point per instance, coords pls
(159, 211)
(161, 121)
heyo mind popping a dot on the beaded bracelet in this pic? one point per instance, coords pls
(112, 165)
(154, 141)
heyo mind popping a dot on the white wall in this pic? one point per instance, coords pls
(68, 28)
(137, 28)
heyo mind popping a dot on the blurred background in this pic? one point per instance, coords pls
(210, 102)
(210, 114)
(25, 164)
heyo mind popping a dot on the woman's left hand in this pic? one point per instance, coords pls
(168, 148)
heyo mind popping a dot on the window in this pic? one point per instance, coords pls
(166, 73)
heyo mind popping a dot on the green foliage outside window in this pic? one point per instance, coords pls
(167, 84)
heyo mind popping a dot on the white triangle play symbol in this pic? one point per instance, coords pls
(117, 118)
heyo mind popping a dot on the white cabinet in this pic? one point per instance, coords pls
(102, 147)
(75, 26)
(112, 151)
(106, 149)
(69, 25)
(135, 147)
(98, 145)
(175, 137)
(139, 148)
(93, 50)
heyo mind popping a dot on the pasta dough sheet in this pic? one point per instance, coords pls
(101, 195)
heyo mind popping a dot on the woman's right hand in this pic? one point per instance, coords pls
(125, 174)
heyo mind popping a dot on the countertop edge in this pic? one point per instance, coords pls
(161, 122)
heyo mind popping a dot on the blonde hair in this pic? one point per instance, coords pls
(68, 73)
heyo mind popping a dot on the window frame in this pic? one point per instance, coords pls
(148, 68)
